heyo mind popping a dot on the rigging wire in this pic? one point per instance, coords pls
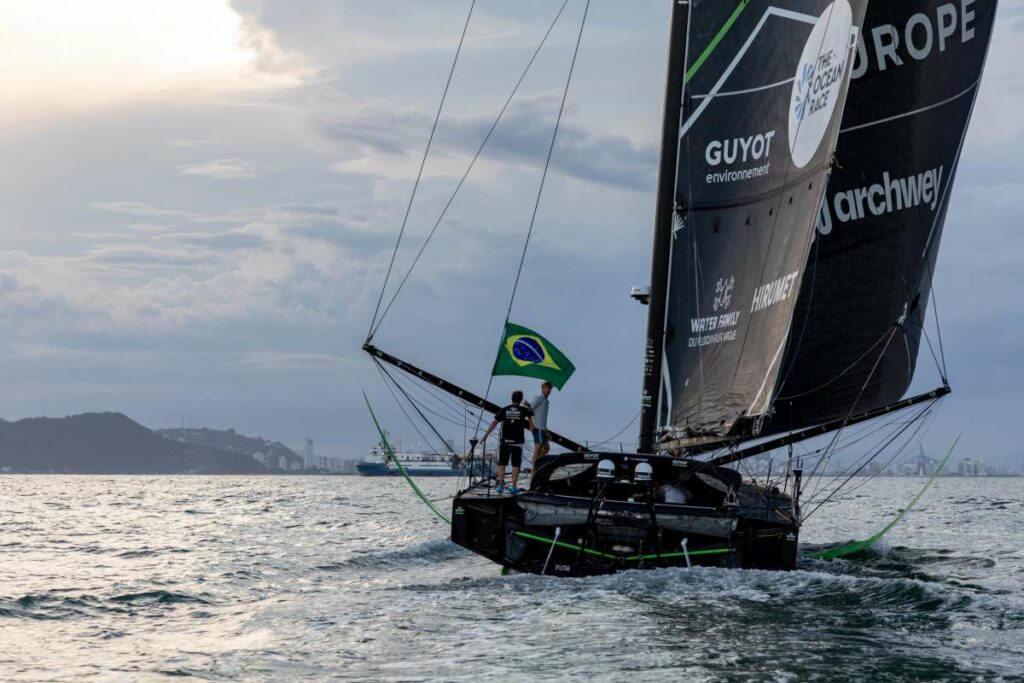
(398, 464)
(449, 414)
(888, 333)
(415, 407)
(830, 448)
(547, 161)
(872, 454)
(456, 407)
(401, 407)
(387, 376)
(618, 433)
(917, 437)
(869, 454)
(419, 174)
(938, 327)
(859, 469)
(540, 192)
(469, 168)
(931, 350)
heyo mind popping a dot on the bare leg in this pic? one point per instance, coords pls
(515, 476)
(501, 475)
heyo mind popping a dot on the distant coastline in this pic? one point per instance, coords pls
(113, 443)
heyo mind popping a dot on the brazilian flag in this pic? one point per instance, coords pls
(526, 353)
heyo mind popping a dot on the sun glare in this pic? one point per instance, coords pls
(73, 53)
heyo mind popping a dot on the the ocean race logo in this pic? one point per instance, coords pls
(819, 80)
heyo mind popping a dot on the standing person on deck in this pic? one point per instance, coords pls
(514, 419)
(539, 404)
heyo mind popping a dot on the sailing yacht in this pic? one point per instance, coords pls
(808, 152)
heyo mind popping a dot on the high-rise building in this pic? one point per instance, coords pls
(308, 456)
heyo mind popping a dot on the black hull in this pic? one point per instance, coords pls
(555, 530)
(495, 527)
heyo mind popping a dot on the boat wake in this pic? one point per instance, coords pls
(422, 554)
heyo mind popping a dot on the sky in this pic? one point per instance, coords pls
(199, 199)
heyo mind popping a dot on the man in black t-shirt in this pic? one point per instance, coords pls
(514, 418)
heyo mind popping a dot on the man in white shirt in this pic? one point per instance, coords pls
(539, 404)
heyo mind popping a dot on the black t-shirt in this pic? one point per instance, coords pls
(513, 422)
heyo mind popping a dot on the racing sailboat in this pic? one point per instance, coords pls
(808, 151)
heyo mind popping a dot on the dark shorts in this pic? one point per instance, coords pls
(510, 452)
(540, 436)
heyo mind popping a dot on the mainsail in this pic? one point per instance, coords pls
(861, 311)
(766, 86)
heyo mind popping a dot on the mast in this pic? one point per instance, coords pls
(665, 207)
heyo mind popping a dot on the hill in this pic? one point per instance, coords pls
(256, 447)
(108, 443)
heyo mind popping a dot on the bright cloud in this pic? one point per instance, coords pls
(65, 53)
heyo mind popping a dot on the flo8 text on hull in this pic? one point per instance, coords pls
(808, 151)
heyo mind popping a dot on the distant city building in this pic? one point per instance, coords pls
(971, 468)
(876, 468)
(308, 456)
(261, 458)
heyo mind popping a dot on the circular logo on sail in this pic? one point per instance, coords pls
(818, 81)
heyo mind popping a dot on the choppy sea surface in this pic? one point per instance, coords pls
(348, 578)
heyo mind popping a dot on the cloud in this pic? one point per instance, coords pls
(287, 360)
(227, 240)
(325, 31)
(94, 236)
(139, 209)
(9, 283)
(522, 137)
(143, 255)
(193, 143)
(221, 169)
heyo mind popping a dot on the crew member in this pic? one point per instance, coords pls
(541, 445)
(514, 419)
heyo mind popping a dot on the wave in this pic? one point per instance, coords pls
(52, 605)
(161, 597)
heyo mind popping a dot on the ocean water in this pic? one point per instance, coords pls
(344, 578)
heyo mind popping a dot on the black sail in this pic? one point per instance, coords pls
(766, 84)
(861, 311)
